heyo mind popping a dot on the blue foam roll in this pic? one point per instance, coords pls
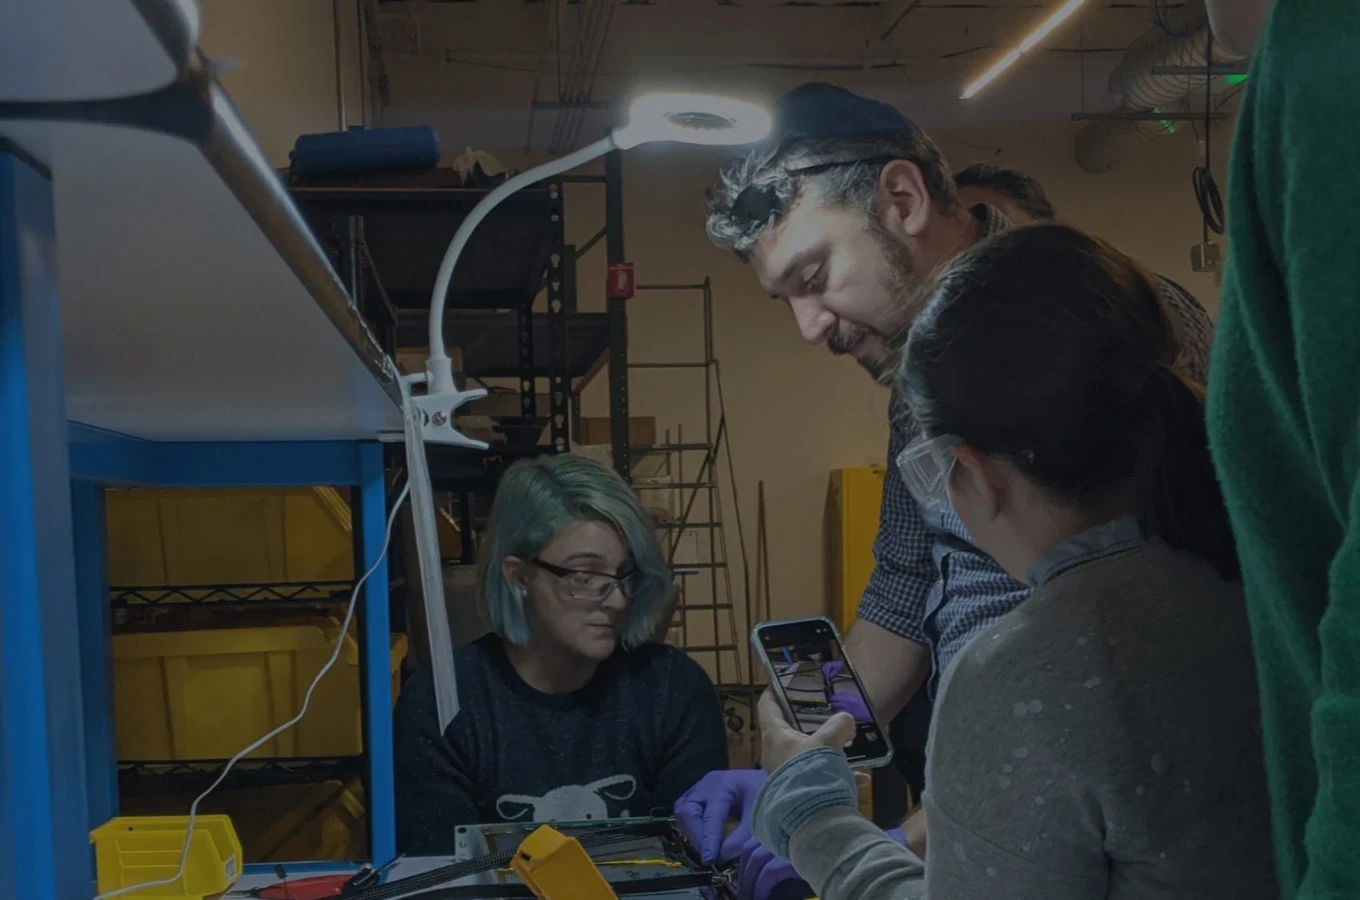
(365, 152)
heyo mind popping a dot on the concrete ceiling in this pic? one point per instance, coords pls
(473, 67)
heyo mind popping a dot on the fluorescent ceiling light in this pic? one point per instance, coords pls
(1047, 27)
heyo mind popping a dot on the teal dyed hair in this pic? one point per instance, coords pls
(536, 501)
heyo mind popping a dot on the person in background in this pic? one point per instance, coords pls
(1123, 757)
(1018, 197)
(1284, 418)
(567, 712)
(842, 213)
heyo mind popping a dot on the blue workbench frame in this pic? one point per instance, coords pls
(58, 765)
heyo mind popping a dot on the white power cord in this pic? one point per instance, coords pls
(306, 701)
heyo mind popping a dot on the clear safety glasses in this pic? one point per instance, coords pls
(925, 466)
(594, 587)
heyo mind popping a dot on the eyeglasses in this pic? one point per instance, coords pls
(925, 466)
(591, 586)
(758, 202)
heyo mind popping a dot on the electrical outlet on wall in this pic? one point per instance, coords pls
(1206, 257)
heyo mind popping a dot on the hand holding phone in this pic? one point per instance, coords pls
(811, 680)
(780, 741)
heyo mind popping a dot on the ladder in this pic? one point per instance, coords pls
(683, 484)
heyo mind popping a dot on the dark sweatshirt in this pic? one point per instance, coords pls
(639, 734)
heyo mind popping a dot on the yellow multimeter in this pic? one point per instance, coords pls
(557, 867)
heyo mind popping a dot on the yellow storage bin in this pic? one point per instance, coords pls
(852, 505)
(277, 823)
(184, 695)
(229, 535)
(130, 851)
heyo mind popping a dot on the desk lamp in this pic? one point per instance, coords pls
(681, 118)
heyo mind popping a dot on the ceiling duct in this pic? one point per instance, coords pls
(1179, 40)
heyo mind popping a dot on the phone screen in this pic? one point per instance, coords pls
(815, 680)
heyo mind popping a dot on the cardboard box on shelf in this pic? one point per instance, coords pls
(641, 430)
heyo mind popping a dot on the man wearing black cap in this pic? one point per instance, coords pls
(842, 212)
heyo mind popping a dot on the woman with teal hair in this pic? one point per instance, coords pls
(567, 710)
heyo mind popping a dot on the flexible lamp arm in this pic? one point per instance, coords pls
(439, 367)
(685, 118)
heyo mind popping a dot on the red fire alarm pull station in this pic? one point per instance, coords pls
(622, 282)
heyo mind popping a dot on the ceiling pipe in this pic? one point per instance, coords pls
(582, 68)
(1135, 87)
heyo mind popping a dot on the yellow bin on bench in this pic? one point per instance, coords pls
(184, 695)
(130, 851)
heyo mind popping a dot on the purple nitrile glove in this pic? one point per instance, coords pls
(832, 669)
(851, 702)
(897, 835)
(763, 876)
(704, 810)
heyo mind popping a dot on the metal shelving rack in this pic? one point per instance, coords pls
(395, 233)
(198, 336)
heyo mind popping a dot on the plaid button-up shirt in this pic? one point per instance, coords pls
(930, 584)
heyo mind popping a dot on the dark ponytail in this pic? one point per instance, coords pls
(1051, 348)
(1174, 479)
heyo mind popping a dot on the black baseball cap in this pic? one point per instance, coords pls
(820, 111)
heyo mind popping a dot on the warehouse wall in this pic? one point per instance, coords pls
(284, 84)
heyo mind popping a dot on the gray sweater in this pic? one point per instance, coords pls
(1100, 741)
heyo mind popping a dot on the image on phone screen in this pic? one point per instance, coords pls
(816, 682)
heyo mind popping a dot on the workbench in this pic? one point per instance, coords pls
(637, 857)
(166, 319)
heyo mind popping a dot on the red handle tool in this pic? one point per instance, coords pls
(321, 887)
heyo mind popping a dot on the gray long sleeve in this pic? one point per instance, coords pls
(1102, 741)
(806, 812)
(843, 855)
(1098, 743)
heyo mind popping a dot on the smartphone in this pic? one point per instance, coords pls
(812, 680)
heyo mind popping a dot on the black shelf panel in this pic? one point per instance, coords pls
(490, 341)
(408, 228)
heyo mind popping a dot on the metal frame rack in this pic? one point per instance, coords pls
(205, 340)
(234, 605)
(391, 235)
(395, 235)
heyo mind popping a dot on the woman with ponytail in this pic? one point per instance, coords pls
(1102, 739)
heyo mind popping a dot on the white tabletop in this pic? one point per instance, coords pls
(186, 318)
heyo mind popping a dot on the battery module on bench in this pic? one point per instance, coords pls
(633, 857)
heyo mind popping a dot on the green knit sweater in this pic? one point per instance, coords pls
(1285, 426)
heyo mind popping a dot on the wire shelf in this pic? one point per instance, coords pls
(284, 594)
(247, 772)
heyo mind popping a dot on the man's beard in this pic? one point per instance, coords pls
(841, 342)
(900, 285)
